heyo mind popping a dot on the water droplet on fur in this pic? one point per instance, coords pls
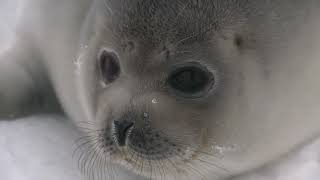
(220, 149)
(154, 101)
(103, 84)
(78, 63)
(145, 115)
(146, 119)
(188, 150)
(224, 149)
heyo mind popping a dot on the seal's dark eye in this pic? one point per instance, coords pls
(191, 80)
(109, 65)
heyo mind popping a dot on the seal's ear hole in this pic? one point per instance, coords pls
(109, 65)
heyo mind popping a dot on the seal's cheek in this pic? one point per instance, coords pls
(177, 119)
(96, 70)
(86, 80)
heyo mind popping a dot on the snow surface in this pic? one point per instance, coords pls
(37, 149)
(40, 148)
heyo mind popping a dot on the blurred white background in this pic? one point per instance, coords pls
(7, 19)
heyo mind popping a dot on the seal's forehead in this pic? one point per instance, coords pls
(156, 20)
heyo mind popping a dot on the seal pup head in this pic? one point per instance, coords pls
(186, 89)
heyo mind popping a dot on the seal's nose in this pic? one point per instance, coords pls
(121, 131)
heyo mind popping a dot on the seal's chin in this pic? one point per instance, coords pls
(163, 164)
(146, 152)
(169, 165)
(161, 157)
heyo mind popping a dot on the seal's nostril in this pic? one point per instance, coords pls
(121, 131)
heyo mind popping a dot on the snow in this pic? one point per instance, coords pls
(37, 148)
(41, 148)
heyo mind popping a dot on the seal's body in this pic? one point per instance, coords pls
(172, 89)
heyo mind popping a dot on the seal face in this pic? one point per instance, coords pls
(153, 86)
(186, 89)
(182, 85)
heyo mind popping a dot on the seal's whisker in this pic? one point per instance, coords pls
(89, 129)
(84, 122)
(108, 166)
(84, 143)
(99, 165)
(190, 167)
(164, 166)
(88, 137)
(183, 52)
(104, 166)
(194, 35)
(161, 170)
(108, 8)
(86, 163)
(174, 167)
(208, 154)
(214, 171)
(157, 169)
(213, 164)
(94, 160)
(175, 20)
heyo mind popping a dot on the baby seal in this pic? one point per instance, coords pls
(186, 89)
